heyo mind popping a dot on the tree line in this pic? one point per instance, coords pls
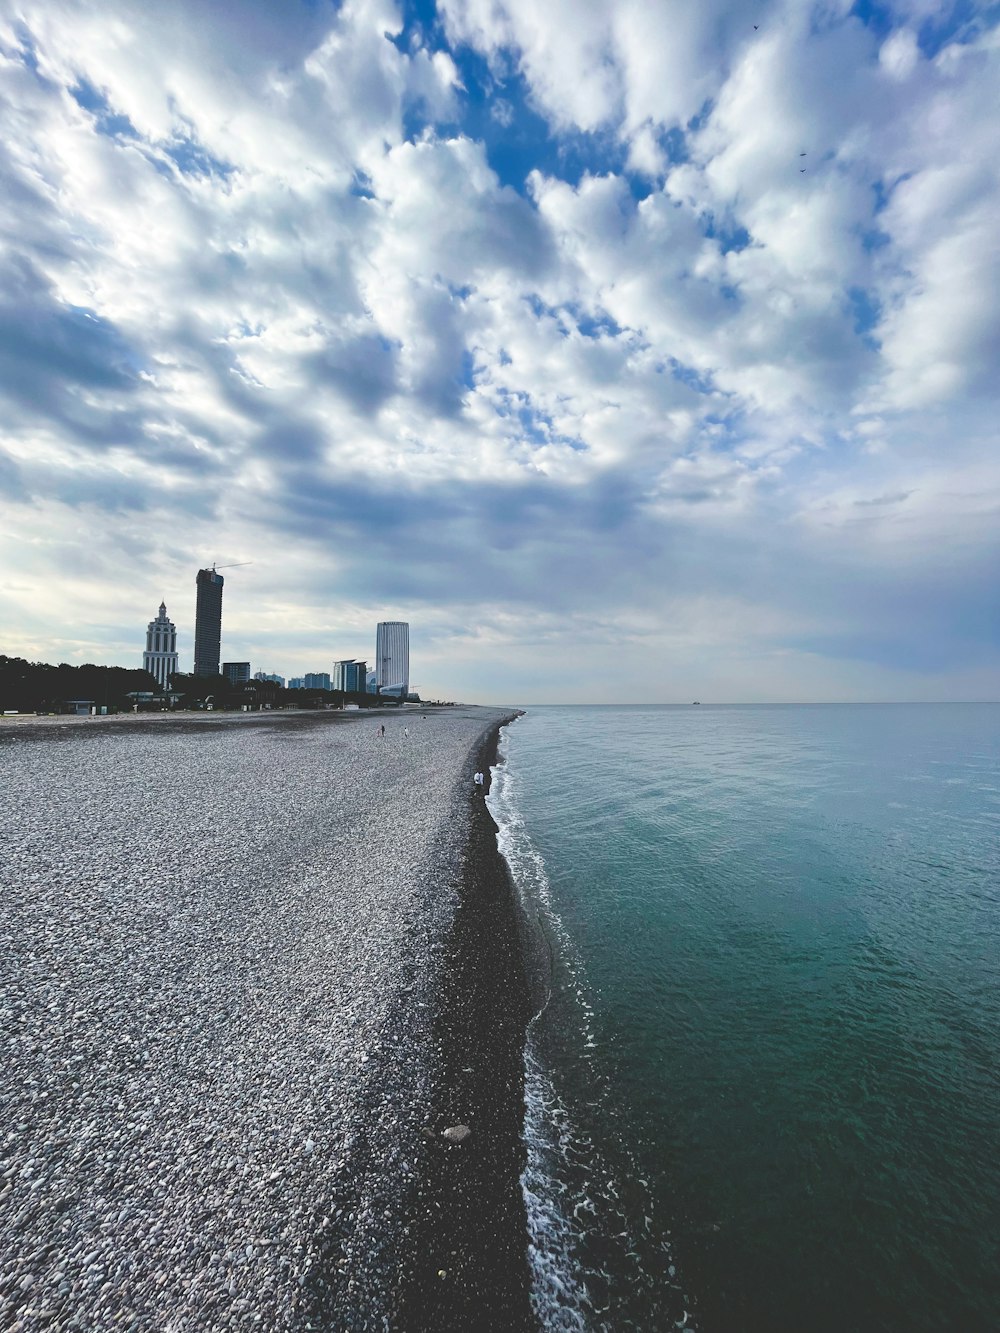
(38, 687)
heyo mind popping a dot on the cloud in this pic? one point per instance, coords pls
(618, 322)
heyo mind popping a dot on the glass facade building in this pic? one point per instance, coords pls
(392, 656)
(349, 676)
(236, 673)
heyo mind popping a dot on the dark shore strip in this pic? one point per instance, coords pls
(469, 1260)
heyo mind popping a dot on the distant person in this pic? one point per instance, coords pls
(406, 731)
(382, 728)
(479, 780)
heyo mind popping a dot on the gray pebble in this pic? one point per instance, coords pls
(456, 1133)
(217, 938)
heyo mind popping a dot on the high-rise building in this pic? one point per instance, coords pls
(317, 680)
(208, 623)
(236, 673)
(160, 657)
(349, 676)
(297, 683)
(392, 657)
(271, 677)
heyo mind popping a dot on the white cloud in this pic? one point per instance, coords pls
(263, 291)
(899, 53)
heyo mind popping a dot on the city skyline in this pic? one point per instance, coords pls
(626, 350)
(161, 656)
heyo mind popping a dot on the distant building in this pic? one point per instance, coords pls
(160, 657)
(392, 657)
(317, 680)
(371, 682)
(236, 673)
(270, 677)
(349, 676)
(208, 623)
(297, 683)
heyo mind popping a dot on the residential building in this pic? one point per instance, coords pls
(349, 676)
(392, 657)
(236, 673)
(208, 623)
(269, 676)
(317, 680)
(160, 657)
(297, 683)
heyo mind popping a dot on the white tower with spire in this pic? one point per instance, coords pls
(160, 657)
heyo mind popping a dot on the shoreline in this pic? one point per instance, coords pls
(468, 1256)
(232, 1112)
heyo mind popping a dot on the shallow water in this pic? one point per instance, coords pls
(762, 1087)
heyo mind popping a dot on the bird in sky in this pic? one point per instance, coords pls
(801, 154)
(755, 27)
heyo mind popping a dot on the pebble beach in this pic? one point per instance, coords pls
(251, 969)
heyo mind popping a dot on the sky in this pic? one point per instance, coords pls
(629, 351)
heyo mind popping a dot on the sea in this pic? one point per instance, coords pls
(762, 1078)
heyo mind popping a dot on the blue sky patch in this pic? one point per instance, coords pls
(106, 121)
(193, 159)
(731, 236)
(866, 313)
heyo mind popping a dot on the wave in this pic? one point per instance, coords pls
(592, 1241)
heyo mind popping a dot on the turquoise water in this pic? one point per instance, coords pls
(762, 1086)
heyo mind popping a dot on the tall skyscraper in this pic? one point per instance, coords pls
(392, 657)
(160, 657)
(208, 623)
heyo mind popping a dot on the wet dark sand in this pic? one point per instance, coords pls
(469, 1265)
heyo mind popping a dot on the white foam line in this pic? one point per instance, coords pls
(560, 1295)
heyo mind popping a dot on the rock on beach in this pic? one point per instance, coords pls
(456, 1133)
(220, 965)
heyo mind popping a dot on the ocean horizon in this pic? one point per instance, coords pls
(760, 1082)
(783, 703)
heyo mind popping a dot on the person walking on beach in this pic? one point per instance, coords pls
(406, 731)
(382, 729)
(479, 780)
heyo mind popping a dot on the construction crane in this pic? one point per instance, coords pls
(235, 565)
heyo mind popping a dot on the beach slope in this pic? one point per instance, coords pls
(241, 1000)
